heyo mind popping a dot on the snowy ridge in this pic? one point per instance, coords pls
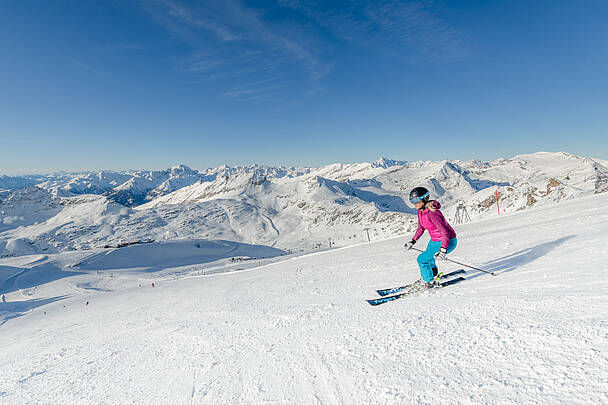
(285, 329)
(288, 208)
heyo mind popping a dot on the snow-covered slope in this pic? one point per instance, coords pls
(89, 327)
(289, 208)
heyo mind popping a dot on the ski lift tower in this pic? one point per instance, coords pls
(462, 214)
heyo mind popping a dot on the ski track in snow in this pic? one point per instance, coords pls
(299, 330)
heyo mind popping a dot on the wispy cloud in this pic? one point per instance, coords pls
(241, 47)
(417, 26)
(130, 46)
(117, 47)
(88, 68)
(232, 41)
(256, 90)
(414, 30)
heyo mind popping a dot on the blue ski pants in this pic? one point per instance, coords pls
(426, 259)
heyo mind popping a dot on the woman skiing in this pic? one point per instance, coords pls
(443, 238)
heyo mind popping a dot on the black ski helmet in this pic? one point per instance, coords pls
(419, 194)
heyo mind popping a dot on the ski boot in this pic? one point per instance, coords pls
(436, 282)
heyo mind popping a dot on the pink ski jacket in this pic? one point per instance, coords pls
(431, 219)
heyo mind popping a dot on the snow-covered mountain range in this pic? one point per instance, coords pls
(288, 208)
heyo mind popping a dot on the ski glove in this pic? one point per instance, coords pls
(441, 254)
(409, 244)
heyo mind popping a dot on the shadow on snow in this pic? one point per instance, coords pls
(12, 310)
(515, 260)
(24, 279)
(157, 256)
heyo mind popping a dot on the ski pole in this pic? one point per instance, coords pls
(462, 264)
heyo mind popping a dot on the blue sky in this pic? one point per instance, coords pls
(153, 83)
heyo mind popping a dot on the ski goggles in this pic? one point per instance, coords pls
(416, 200)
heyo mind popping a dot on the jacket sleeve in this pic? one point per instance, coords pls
(419, 231)
(436, 219)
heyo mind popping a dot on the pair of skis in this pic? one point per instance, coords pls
(410, 288)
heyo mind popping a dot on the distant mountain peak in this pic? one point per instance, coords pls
(181, 168)
(386, 163)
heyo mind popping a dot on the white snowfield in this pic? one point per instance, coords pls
(298, 330)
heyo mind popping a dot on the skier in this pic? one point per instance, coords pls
(443, 238)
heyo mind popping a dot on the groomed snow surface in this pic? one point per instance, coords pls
(289, 329)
